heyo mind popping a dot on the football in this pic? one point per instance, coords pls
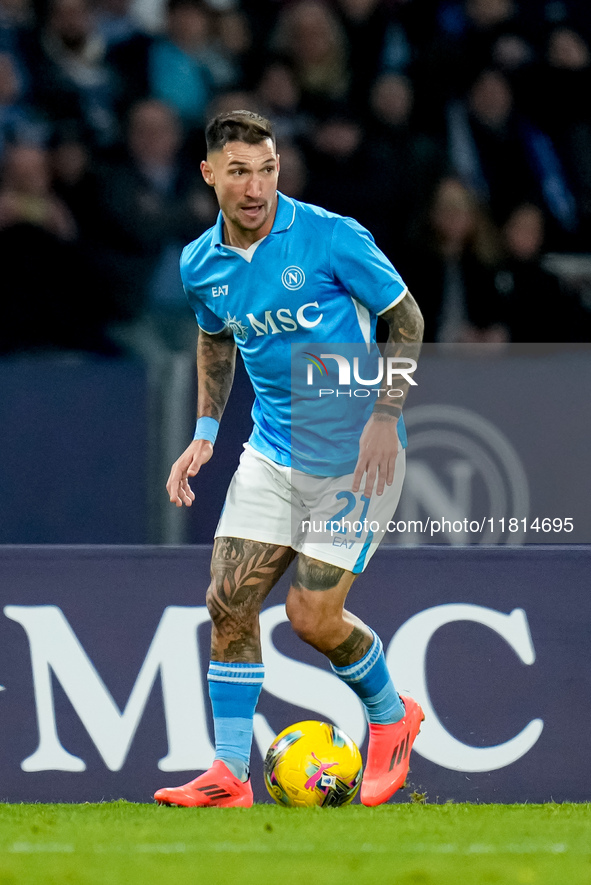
(313, 763)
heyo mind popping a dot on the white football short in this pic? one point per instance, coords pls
(315, 515)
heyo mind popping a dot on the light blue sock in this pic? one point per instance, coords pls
(370, 679)
(234, 690)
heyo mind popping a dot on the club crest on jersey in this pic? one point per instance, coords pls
(293, 278)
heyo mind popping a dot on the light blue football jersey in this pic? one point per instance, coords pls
(316, 278)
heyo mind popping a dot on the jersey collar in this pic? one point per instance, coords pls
(285, 215)
(284, 218)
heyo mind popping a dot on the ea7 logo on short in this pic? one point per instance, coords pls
(293, 278)
(219, 290)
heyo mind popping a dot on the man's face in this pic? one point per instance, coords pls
(244, 177)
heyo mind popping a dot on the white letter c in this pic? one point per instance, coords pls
(303, 321)
(406, 659)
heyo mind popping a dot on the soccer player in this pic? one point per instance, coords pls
(276, 272)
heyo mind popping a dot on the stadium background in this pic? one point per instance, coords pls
(457, 132)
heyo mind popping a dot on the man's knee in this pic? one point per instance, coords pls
(311, 619)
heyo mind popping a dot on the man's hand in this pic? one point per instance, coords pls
(378, 448)
(189, 464)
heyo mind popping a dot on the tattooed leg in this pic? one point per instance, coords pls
(354, 647)
(315, 607)
(243, 573)
(356, 655)
(314, 575)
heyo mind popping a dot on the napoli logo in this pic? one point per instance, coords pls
(293, 277)
(464, 465)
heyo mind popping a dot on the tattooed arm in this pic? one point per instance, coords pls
(378, 445)
(216, 359)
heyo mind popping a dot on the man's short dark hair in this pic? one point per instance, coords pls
(243, 126)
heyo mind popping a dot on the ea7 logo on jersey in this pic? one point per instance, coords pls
(219, 290)
(283, 321)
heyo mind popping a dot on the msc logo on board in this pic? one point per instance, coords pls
(293, 278)
(58, 658)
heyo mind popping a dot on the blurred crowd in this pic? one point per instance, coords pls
(457, 131)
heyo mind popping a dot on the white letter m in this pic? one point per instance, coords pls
(173, 651)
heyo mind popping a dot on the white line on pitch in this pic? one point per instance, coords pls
(450, 848)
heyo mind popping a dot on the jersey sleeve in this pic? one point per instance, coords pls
(363, 269)
(206, 319)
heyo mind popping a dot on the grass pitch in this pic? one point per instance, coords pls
(414, 844)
